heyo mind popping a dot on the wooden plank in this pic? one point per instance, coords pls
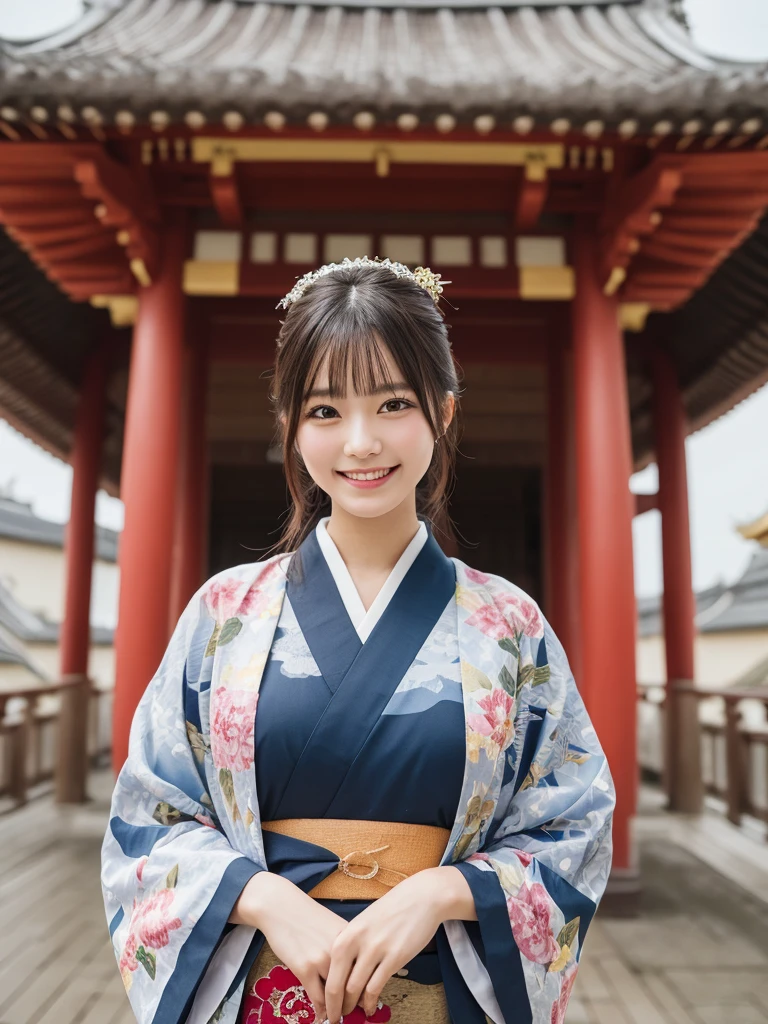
(674, 1007)
(629, 994)
(107, 1006)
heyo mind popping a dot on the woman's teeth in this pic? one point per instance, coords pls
(368, 476)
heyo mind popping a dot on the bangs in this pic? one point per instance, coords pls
(350, 343)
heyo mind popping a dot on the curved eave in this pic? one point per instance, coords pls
(718, 340)
(609, 61)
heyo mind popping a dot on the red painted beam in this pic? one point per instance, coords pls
(646, 503)
(96, 273)
(67, 252)
(86, 227)
(531, 197)
(32, 216)
(225, 194)
(82, 291)
(36, 195)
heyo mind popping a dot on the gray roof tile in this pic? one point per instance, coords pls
(599, 59)
(18, 521)
(742, 605)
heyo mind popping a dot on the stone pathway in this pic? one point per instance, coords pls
(697, 954)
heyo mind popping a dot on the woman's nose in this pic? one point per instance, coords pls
(361, 440)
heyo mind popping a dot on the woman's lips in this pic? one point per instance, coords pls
(368, 484)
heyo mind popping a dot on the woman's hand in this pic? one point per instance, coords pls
(299, 930)
(389, 933)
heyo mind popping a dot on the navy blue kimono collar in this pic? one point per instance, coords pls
(361, 676)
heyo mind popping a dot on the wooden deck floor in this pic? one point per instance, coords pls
(698, 954)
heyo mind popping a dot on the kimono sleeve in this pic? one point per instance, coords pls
(170, 877)
(542, 868)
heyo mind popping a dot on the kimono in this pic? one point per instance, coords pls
(449, 702)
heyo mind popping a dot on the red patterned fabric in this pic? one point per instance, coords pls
(280, 996)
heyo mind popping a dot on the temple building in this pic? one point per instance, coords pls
(590, 181)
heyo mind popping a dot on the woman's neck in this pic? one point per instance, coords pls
(371, 547)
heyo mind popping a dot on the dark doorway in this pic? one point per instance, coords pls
(496, 510)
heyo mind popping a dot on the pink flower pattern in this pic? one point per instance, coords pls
(519, 613)
(128, 961)
(232, 727)
(497, 720)
(489, 620)
(225, 599)
(476, 576)
(150, 926)
(530, 913)
(508, 612)
(561, 1003)
(151, 921)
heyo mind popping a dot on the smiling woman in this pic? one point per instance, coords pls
(363, 783)
(374, 343)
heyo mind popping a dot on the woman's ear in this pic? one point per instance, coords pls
(449, 408)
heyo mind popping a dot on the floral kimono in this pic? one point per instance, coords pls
(449, 702)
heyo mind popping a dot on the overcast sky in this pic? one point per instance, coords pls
(727, 462)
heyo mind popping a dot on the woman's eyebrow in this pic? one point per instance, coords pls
(382, 389)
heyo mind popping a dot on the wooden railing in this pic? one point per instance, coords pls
(731, 755)
(29, 736)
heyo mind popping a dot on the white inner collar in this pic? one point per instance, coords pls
(363, 620)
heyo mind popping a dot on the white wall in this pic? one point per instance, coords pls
(34, 573)
(719, 658)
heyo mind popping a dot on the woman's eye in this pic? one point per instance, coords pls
(320, 408)
(397, 401)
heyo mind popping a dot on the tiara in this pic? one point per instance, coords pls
(423, 277)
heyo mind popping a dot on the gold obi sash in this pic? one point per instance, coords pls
(373, 855)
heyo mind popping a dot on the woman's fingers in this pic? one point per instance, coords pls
(359, 977)
(373, 989)
(336, 982)
(315, 989)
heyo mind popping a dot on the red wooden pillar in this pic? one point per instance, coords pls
(189, 555)
(605, 509)
(148, 483)
(682, 748)
(74, 640)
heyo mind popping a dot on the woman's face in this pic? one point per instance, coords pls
(367, 452)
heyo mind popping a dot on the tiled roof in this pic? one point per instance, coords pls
(608, 60)
(32, 627)
(742, 605)
(11, 655)
(18, 521)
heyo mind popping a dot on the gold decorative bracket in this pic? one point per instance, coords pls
(536, 158)
(122, 308)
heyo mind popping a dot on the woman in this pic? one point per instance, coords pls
(415, 826)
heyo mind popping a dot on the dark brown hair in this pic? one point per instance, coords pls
(349, 314)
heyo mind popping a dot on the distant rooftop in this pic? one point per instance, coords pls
(33, 627)
(19, 522)
(723, 607)
(10, 654)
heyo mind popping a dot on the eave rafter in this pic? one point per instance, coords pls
(225, 194)
(675, 222)
(80, 216)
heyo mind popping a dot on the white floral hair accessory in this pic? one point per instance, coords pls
(423, 277)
